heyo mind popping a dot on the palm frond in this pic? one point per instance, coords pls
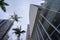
(3, 8)
(15, 17)
(22, 31)
(3, 4)
(6, 4)
(1, 0)
(20, 17)
(17, 31)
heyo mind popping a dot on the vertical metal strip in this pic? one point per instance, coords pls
(45, 30)
(50, 23)
(40, 32)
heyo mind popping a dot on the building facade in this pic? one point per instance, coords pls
(28, 33)
(5, 25)
(45, 21)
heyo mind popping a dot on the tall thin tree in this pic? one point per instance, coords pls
(15, 17)
(18, 32)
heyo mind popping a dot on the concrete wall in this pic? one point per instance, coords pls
(32, 16)
(4, 28)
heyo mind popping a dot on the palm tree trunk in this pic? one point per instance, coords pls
(18, 38)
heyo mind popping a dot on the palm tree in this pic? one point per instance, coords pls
(2, 5)
(15, 17)
(18, 32)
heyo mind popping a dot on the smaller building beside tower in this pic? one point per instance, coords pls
(28, 33)
(5, 26)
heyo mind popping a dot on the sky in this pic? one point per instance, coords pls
(21, 8)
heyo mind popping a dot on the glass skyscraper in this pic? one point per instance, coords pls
(46, 23)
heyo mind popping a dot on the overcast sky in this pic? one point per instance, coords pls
(21, 8)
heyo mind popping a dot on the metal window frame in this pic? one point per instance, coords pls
(40, 32)
(50, 23)
(45, 30)
(54, 30)
(37, 33)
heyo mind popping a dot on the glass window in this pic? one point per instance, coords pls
(39, 38)
(56, 20)
(42, 31)
(55, 36)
